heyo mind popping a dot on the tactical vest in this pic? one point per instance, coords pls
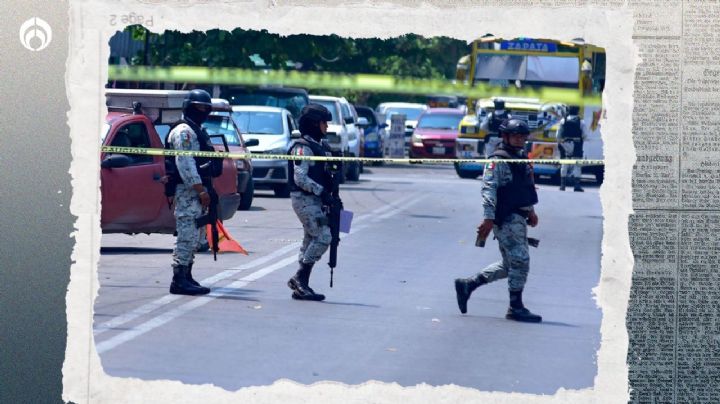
(518, 193)
(495, 121)
(571, 127)
(317, 171)
(207, 167)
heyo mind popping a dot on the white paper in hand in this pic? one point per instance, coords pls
(345, 220)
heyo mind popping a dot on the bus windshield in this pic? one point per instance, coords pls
(537, 70)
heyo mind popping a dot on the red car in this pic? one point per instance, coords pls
(435, 134)
(133, 197)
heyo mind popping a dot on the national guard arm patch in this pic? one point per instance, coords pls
(185, 138)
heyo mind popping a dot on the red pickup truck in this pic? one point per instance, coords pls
(133, 198)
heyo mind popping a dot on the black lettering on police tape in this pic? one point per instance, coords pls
(242, 156)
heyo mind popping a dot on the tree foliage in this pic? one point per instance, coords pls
(408, 55)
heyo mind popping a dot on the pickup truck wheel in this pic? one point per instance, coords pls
(282, 190)
(246, 197)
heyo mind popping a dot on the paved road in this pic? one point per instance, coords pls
(391, 315)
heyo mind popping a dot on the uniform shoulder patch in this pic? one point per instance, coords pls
(186, 139)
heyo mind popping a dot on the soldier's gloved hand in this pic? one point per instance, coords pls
(204, 199)
(326, 198)
(532, 219)
(485, 228)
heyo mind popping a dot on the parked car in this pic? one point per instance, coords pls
(339, 135)
(292, 99)
(435, 134)
(411, 111)
(355, 134)
(374, 133)
(133, 196)
(270, 129)
(220, 122)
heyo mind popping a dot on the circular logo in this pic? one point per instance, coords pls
(35, 34)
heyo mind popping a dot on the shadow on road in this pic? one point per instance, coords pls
(374, 306)
(134, 250)
(428, 216)
(558, 324)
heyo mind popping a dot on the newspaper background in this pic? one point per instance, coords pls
(673, 336)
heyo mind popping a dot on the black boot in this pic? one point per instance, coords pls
(577, 186)
(465, 287)
(193, 281)
(301, 288)
(562, 183)
(517, 310)
(180, 284)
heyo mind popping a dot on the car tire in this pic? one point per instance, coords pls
(282, 190)
(353, 173)
(342, 174)
(600, 175)
(246, 198)
(468, 174)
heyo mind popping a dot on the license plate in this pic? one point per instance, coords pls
(438, 150)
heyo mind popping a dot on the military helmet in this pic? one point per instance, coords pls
(315, 113)
(499, 104)
(514, 126)
(198, 99)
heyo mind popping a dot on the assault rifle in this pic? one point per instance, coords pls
(333, 213)
(211, 218)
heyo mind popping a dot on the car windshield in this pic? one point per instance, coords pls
(221, 125)
(332, 107)
(259, 122)
(369, 115)
(439, 121)
(292, 102)
(411, 114)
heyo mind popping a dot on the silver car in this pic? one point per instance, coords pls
(273, 128)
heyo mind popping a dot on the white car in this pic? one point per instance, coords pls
(273, 128)
(342, 135)
(411, 111)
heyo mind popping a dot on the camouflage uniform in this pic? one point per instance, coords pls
(308, 209)
(187, 204)
(571, 174)
(511, 236)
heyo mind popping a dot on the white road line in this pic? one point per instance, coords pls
(198, 301)
(165, 300)
(394, 208)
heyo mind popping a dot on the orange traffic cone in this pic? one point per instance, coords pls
(225, 242)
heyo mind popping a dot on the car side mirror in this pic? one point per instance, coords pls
(116, 161)
(362, 121)
(251, 142)
(295, 134)
(349, 120)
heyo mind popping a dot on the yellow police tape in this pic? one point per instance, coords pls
(246, 156)
(318, 80)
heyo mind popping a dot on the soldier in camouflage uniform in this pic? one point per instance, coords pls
(191, 193)
(571, 134)
(491, 126)
(508, 197)
(310, 187)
